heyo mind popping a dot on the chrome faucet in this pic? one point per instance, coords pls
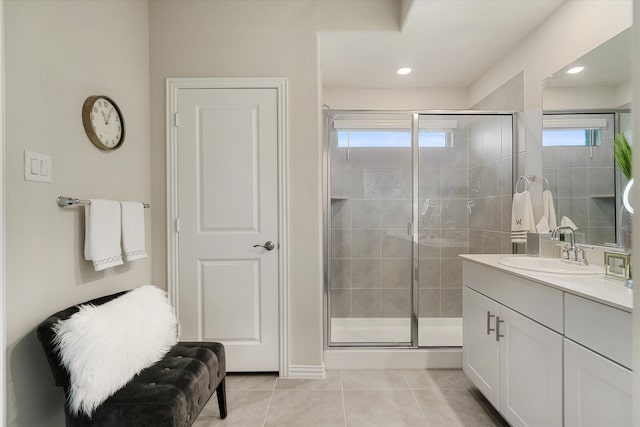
(570, 253)
(555, 231)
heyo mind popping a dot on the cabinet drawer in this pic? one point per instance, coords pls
(539, 302)
(603, 329)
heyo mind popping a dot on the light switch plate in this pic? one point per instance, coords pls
(37, 167)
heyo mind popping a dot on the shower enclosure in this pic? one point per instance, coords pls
(405, 194)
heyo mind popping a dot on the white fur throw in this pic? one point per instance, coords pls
(103, 347)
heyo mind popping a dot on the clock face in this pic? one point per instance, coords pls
(103, 122)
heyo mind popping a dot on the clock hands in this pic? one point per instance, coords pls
(106, 118)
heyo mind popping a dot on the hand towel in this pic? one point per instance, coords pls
(565, 221)
(133, 242)
(548, 209)
(522, 221)
(102, 234)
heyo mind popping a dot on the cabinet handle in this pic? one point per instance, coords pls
(498, 321)
(489, 328)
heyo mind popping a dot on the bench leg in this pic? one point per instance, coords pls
(222, 399)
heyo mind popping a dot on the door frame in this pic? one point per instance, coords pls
(3, 293)
(173, 85)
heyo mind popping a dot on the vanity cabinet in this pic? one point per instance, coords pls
(514, 361)
(530, 371)
(597, 362)
(480, 348)
(543, 356)
(597, 391)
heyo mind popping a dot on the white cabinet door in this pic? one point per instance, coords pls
(597, 392)
(480, 348)
(530, 371)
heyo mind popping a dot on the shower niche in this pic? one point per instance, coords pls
(405, 194)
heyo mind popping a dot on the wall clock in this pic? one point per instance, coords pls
(103, 122)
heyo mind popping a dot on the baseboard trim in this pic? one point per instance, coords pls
(315, 372)
(364, 358)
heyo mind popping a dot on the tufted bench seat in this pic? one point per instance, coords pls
(170, 393)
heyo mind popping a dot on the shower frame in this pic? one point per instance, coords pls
(415, 170)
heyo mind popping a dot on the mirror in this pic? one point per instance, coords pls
(583, 110)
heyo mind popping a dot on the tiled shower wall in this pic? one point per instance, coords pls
(490, 184)
(582, 181)
(370, 247)
(465, 207)
(464, 204)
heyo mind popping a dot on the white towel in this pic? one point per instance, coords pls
(133, 244)
(566, 221)
(102, 234)
(548, 209)
(542, 226)
(522, 221)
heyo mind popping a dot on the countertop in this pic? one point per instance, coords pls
(594, 287)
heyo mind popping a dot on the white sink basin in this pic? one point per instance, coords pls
(549, 265)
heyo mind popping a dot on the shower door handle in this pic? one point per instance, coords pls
(268, 245)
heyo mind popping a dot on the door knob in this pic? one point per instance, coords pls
(268, 245)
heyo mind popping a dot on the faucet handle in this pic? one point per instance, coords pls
(580, 256)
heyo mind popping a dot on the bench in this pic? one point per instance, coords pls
(169, 393)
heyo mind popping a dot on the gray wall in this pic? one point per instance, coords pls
(490, 184)
(468, 189)
(370, 248)
(57, 54)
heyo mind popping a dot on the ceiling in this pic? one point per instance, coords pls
(448, 43)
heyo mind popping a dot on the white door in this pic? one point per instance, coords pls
(530, 371)
(227, 185)
(597, 391)
(479, 345)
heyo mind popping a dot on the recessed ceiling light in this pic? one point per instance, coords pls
(574, 70)
(404, 71)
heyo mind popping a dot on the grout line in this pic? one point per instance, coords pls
(266, 415)
(424, 416)
(380, 389)
(344, 405)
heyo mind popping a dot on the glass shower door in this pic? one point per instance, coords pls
(407, 194)
(370, 245)
(464, 206)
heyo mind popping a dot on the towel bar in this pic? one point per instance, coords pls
(64, 201)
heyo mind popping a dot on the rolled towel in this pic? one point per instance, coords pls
(522, 221)
(102, 234)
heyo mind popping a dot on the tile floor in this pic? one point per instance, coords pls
(388, 398)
